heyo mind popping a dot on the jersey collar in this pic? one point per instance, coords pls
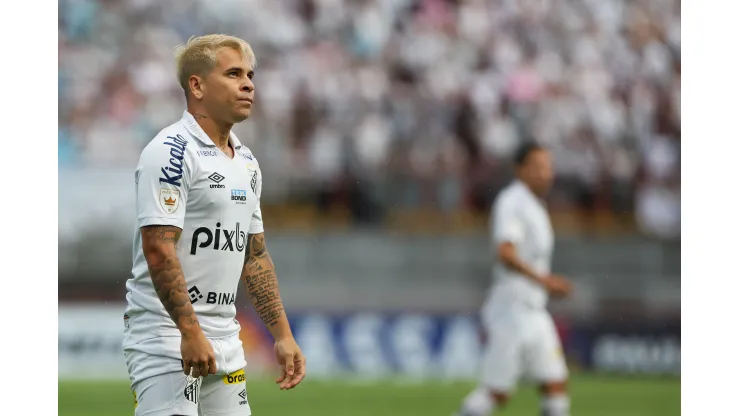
(194, 128)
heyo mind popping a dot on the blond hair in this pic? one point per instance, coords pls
(199, 55)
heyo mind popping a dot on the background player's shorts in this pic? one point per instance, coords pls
(521, 343)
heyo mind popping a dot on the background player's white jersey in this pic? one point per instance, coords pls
(520, 217)
(183, 179)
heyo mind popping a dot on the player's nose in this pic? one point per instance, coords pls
(247, 86)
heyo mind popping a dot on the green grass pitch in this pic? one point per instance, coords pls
(591, 395)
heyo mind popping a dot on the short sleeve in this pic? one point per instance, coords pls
(255, 224)
(507, 224)
(162, 183)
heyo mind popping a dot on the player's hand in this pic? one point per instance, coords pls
(292, 363)
(557, 286)
(197, 355)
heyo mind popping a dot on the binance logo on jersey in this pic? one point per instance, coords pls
(212, 298)
(231, 239)
(235, 377)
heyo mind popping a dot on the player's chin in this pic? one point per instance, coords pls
(242, 115)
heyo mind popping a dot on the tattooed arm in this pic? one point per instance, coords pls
(262, 287)
(158, 242)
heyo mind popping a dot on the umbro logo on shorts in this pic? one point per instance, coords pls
(243, 395)
(192, 391)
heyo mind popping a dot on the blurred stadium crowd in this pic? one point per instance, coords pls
(401, 104)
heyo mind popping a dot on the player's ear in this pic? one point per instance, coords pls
(196, 86)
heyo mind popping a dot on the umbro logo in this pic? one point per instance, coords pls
(243, 395)
(217, 178)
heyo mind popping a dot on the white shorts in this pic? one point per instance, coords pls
(521, 343)
(177, 394)
(161, 388)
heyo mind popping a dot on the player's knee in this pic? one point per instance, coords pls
(499, 397)
(554, 388)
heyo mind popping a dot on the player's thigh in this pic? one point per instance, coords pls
(225, 395)
(543, 353)
(167, 395)
(501, 365)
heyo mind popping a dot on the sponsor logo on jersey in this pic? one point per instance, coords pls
(235, 378)
(217, 178)
(192, 391)
(172, 174)
(243, 395)
(212, 298)
(239, 196)
(232, 239)
(207, 153)
(169, 199)
(247, 156)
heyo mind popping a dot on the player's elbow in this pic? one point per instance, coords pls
(157, 246)
(506, 253)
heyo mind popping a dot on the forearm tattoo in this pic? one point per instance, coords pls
(167, 276)
(261, 281)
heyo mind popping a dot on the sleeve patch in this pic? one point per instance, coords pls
(169, 199)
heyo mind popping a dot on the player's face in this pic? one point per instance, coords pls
(229, 91)
(538, 171)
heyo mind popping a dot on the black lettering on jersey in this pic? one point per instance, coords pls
(198, 231)
(172, 174)
(229, 239)
(208, 239)
(220, 298)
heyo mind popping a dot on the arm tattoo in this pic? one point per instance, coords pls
(261, 281)
(166, 274)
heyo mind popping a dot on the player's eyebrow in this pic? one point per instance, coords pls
(240, 70)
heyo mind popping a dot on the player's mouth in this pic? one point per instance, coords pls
(248, 100)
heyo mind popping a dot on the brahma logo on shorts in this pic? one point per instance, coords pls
(235, 377)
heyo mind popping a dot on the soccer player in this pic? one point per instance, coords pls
(521, 336)
(200, 231)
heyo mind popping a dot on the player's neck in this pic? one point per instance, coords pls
(218, 132)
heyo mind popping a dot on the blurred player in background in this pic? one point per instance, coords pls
(521, 337)
(198, 201)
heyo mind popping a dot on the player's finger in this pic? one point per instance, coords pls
(187, 367)
(289, 371)
(282, 375)
(296, 380)
(300, 372)
(203, 367)
(212, 365)
(290, 364)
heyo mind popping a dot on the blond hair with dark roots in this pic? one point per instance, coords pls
(200, 54)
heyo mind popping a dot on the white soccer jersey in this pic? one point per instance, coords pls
(184, 180)
(520, 217)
